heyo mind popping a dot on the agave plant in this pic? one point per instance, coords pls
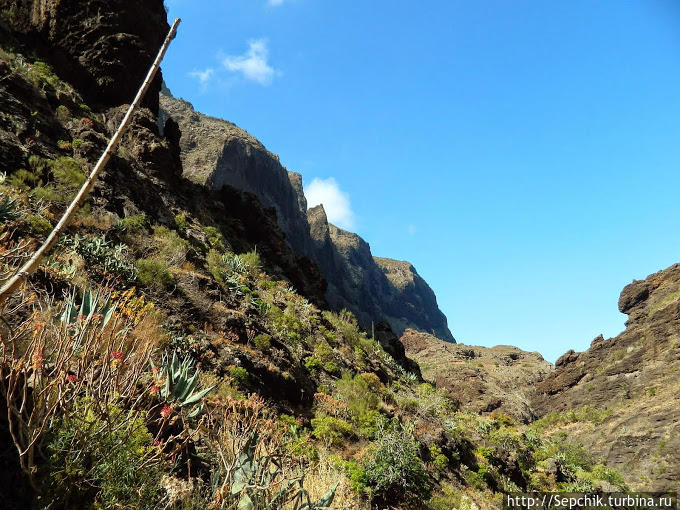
(180, 384)
(252, 480)
(8, 209)
(93, 304)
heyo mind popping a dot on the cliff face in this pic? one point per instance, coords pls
(103, 48)
(216, 153)
(413, 304)
(370, 286)
(633, 380)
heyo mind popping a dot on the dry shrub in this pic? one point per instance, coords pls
(325, 474)
(47, 364)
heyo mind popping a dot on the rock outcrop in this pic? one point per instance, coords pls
(481, 379)
(103, 48)
(633, 380)
(216, 153)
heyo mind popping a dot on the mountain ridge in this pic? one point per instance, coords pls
(216, 153)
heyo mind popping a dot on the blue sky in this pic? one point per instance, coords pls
(523, 154)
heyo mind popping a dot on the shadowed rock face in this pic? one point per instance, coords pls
(103, 48)
(481, 379)
(636, 376)
(216, 153)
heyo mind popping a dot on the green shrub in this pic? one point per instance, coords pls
(153, 273)
(324, 351)
(312, 363)
(172, 249)
(24, 179)
(331, 430)
(214, 239)
(108, 461)
(62, 113)
(285, 324)
(133, 224)
(41, 74)
(68, 172)
(181, 223)
(251, 260)
(394, 471)
(263, 341)
(439, 460)
(362, 392)
(331, 367)
(76, 143)
(239, 374)
(358, 480)
(39, 225)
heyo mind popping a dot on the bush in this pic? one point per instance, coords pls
(24, 179)
(312, 363)
(133, 224)
(331, 430)
(181, 223)
(394, 472)
(107, 461)
(172, 249)
(153, 273)
(40, 226)
(239, 374)
(68, 172)
(263, 341)
(62, 113)
(251, 260)
(214, 239)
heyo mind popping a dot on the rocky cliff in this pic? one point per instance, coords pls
(631, 384)
(102, 47)
(216, 153)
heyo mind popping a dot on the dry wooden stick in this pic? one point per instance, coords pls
(32, 264)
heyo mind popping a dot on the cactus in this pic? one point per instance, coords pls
(180, 385)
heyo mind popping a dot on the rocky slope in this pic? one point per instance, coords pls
(216, 153)
(631, 382)
(481, 379)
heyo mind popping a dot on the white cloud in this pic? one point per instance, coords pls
(203, 76)
(335, 202)
(253, 64)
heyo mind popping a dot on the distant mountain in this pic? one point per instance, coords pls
(481, 379)
(216, 153)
